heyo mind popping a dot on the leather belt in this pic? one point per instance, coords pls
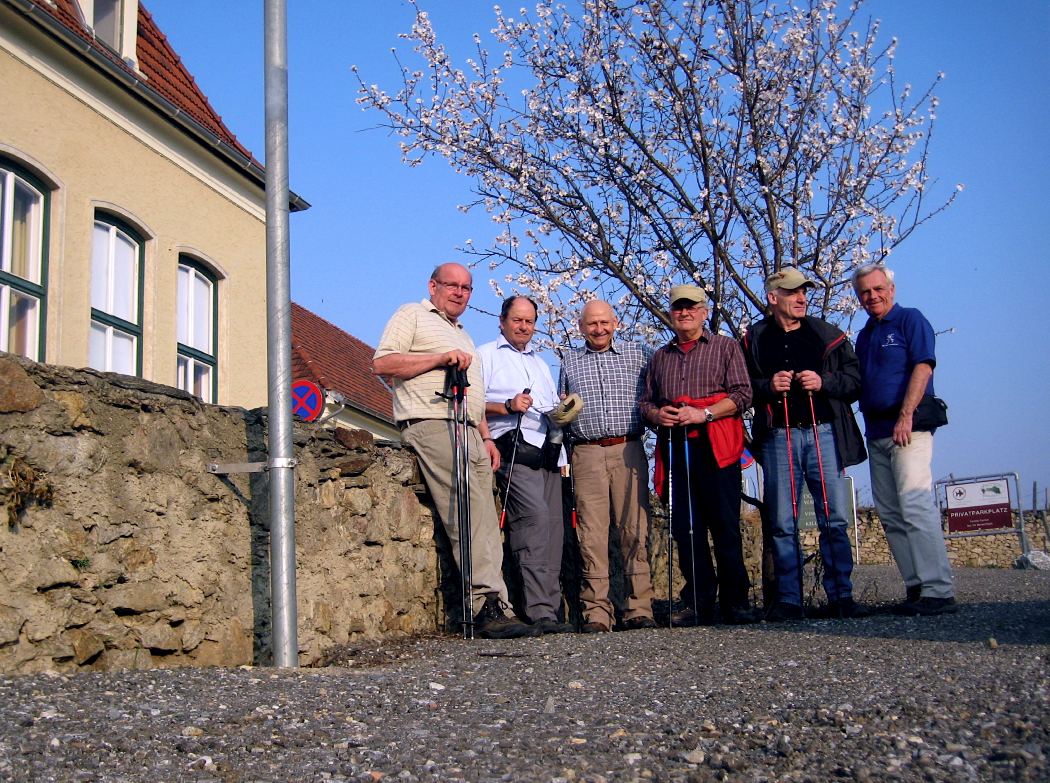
(404, 424)
(800, 425)
(608, 441)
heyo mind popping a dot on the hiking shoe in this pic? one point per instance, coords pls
(639, 623)
(740, 615)
(492, 622)
(783, 612)
(595, 628)
(689, 618)
(928, 606)
(684, 618)
(553, 626)
(905, 609)
(846, 609)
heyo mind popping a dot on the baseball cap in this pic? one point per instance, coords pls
(787, 278)
(691, 293)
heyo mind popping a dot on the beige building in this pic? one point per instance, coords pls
(131, 219)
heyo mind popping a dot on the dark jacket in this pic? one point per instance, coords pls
(840, 374)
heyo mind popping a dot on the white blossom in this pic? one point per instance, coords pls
(621, 153)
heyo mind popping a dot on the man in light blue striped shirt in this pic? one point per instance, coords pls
(610, 468)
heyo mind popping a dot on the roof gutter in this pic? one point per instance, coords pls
(139, 88)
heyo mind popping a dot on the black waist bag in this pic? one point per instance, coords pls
(931, 413)
(528, 455)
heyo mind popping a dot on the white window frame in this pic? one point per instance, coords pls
(191, 357)
(127, 28)
(12, 284)
(103, 319)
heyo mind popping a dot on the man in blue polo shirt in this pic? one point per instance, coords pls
(896, 352)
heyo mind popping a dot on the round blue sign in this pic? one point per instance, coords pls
(307, 400)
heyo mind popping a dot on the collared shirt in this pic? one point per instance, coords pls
(610, 383)
(888, 350)
(506, 372)
(796, 350)
(421, 328)
(714, 365)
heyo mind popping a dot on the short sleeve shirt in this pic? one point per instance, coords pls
(420, 328)
(888, 350)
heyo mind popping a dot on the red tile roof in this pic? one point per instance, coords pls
(337, 361)
(162, 68)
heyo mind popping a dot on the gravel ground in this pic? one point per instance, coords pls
(950, 698)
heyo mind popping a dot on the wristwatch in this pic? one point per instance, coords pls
(708, 416)
(507, 404)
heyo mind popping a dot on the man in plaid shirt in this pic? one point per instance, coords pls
(696, 390)
(609, 466)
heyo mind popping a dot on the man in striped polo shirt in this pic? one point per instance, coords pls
(420, 342)
(609, 466)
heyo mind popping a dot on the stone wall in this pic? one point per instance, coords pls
(119, 549)
(985, 551)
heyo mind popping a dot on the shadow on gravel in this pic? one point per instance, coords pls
(1007, 622)
(376, 653)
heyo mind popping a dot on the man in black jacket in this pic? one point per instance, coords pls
(804, 372)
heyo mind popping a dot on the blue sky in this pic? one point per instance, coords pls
(377, 228)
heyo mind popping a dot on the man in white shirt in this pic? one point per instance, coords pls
(519, 387)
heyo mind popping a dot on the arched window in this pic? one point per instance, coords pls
(24, 209)
(197, 315)
(117, 255)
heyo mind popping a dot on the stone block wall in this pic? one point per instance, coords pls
(119, 549)
(986, 551)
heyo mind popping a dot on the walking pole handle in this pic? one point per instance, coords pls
(510, 468)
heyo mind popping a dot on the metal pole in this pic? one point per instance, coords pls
(670, 523)
(1020, 516)
(279, 340)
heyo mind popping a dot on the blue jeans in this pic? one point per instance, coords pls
(835, 548)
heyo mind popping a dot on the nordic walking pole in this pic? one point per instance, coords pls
(510, 468)
(572, 490)
(455, 389)
(465, 494)
(670, 523)
(689, 506)
(824, 492)
(794, 498)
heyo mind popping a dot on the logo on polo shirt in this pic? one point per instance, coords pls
(890, 340)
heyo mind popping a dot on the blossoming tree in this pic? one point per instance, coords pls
(625, 146)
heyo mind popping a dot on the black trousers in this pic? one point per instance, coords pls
(712, 494)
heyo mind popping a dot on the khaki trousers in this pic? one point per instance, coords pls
(612, 486)
(433, 445)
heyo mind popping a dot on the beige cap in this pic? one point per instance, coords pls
(566, 410)
(787, 278)
(691, 293)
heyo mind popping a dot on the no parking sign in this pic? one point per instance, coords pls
(307, 400)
